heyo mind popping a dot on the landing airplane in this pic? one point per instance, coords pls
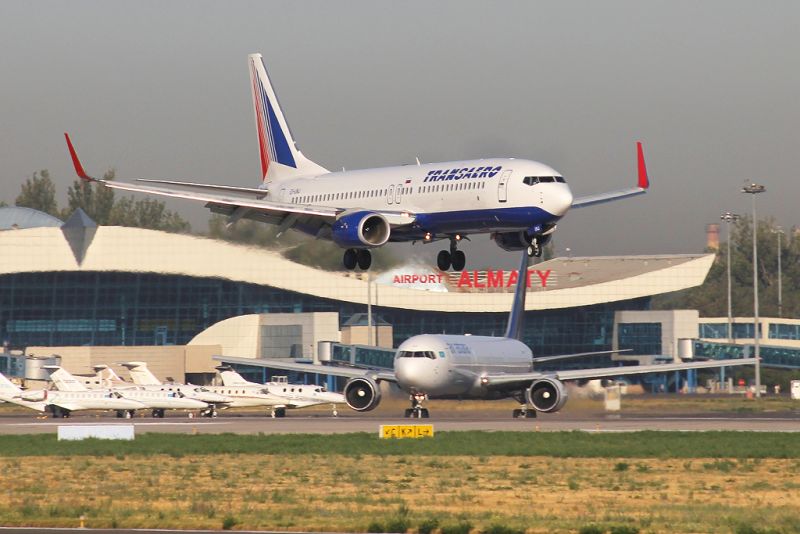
(293, 395)
(478, 367)
(157, 401)
(144, 378)
(62, 403)
(517, 201)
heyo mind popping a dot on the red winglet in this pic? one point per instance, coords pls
(75, 161)
(644, 181)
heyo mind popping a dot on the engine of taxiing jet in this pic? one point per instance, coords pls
(546, 395)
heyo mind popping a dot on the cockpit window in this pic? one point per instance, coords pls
(416, 354)
(533, 180)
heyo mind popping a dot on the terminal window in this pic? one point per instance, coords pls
(640, 338)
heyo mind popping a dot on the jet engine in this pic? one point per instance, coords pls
(34, 396)
(360, 229)
(362, 394)
(513, 241)
(546, 395)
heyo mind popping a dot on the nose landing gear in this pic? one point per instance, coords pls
(417, 411)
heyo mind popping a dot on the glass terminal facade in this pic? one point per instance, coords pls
(128, 308)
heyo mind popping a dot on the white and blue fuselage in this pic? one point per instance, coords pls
(443, 366)
(462, 197)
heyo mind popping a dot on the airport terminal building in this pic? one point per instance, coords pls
(95, 294)
(83, 284)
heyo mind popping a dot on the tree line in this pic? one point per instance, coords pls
(100, 203)
(711, 297)
(107, 209)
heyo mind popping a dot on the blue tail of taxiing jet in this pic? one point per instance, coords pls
(517, 315)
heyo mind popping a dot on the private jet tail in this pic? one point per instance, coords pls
(8, 388)
(280, 158)
(140, 374)
(63, 380)
(106, 376)
(232, 378)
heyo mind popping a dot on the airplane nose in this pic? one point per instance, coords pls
(561, 201)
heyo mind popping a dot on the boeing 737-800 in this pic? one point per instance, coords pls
(476, 367)
(517, 201)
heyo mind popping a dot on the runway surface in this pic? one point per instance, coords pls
(489, 421)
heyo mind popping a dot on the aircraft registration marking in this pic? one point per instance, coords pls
(405, 431)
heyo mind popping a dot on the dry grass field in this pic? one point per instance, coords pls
(403, 493)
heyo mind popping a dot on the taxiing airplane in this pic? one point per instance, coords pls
(63, 403)
(157, 401)
(517, 201)
(293, 395)
(478, 367)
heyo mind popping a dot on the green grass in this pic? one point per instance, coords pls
(647, 444)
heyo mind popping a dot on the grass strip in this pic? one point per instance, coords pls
(576, 444)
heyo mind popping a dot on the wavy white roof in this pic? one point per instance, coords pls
(573, 281)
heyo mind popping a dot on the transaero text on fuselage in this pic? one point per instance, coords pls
(460, 174)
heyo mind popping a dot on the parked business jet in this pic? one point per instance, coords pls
(144, 378)
(293, 395)
(157, 401)
(517, 201)
(478, 367)
(63, 403)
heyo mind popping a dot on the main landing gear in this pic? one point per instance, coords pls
(524, 412)
(453, 257)
(417, 411)
(357, 256)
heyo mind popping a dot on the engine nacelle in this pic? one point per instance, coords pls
(362, 394)
(34, 396)
(361, 229)
(512, 241)
(546, 395)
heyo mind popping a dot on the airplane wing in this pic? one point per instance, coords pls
(333, 370)
(641, 187)
(507, 380)
(222, 198)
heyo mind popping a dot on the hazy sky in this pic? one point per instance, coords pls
(161, 90)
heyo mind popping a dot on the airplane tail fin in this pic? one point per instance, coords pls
(63, 380)
(515, 318)
(280, 158)
(7, 387)
(140, 374)
(106, 374)
(231, 378)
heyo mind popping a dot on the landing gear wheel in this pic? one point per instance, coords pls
(459, 260)
(350, 259)
(279, 412)
(158, 413)
(443, 260)
(535, 248)
(524, 413)
(364, 259)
